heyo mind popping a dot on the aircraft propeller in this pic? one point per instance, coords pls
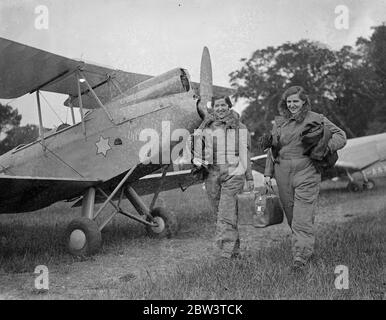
(206, 83)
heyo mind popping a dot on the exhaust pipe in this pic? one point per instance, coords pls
(171, 82)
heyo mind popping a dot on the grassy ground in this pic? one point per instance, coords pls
(132, 266)
(359, 245)
(31, 239)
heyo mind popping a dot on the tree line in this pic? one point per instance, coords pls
(346, 85)
(11, 133)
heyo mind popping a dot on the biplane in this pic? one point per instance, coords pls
(361, 161)
(97, 159)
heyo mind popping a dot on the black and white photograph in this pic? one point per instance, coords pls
(197, 155)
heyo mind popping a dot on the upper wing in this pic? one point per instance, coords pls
(23, 194)
(24, 69)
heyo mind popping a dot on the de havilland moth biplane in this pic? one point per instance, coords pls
(96, 160)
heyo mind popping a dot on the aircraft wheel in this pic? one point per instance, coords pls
(83, 237)
(354, 187)
(167, 224)
(369, 185)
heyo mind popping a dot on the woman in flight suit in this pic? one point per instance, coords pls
(297, 178)
(228, 159)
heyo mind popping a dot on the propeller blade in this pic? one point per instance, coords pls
(206, 82)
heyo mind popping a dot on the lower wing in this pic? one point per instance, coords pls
(23, 194)
(172, 180)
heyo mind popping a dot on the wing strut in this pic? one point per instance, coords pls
(96, 97)
(72, 113)
(80, 103)
(128, 174)
(164, 170)
(41, 129)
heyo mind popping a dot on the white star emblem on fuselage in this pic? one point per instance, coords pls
(103, 146)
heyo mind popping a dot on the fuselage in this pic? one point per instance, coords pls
(104, 148)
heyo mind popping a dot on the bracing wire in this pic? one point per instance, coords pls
(49, 105)
(118, 85)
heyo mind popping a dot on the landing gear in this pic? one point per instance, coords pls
(83, 237)
(369, 185)
(357, 187)
(166, 224)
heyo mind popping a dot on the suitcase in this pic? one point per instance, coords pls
(259, 208)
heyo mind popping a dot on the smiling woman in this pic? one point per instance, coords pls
(297, 177)
(227, 167)
(294, 103)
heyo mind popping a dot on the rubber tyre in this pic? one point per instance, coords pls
(93, 237)
(170, 224)
(354, 187)
(370, 185)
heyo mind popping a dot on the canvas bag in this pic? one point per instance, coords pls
(260, 209)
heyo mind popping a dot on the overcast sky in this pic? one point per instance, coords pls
(153, 36)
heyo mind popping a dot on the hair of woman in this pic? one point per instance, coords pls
(282, 105)
(226, 98)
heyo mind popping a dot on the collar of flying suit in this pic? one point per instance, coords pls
(220, 148)
(231, 121)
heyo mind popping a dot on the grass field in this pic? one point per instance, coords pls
(31, 239)
(350, 231)
(359, 245)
